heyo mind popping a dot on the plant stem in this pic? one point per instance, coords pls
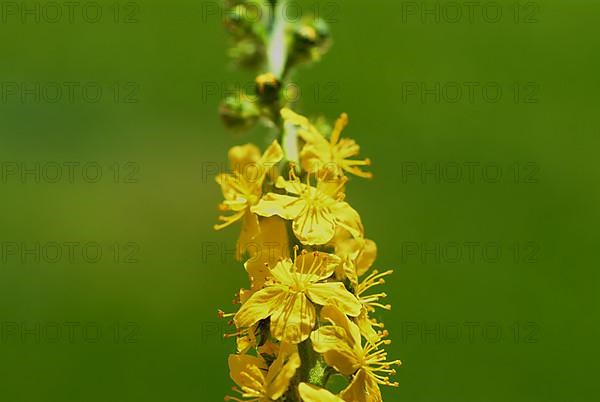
(313, 369)
(277, 48)
(277, 54)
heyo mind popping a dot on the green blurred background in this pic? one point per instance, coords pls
(160, 336)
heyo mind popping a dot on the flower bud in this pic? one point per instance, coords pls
(239, 113)
(267, 87)
(241, 21)
(248, 53)
(311, 41)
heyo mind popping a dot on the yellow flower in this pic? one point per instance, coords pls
(270, 246)
(242, 188)
(341, 346)
(256, 382)
(310, 393)
(316, 211)
(289, 298)
(245, 340)
(320, 155)
(358, 255)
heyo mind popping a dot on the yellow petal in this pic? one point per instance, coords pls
(366, 327)
(331, 184)
(281, 272)
(347, 148)
(320, 264)
(257, 272)
(340, 124)
(334, 293)
(363, 388)
(250, 230)
(333, 314)
(281, 372)
(281, 205)
(246, 342)
(236, 204)
(242, 155)
(314, 226)
(272, 155)
(358, 255)
(367, 257)
(234, 187)
(268, 247)
(260, 306)
(273, 240)
(312, 160)
(269, 348)
(292, 186)
(245, 294)
(348, 218)
(307, 131)
(310, 393)
(247, 371)
(331, 342)
(292, 117)
(347, 270)
(316, 150)
(294, 319)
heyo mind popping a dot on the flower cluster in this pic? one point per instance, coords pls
(314, 292)
(308, 313)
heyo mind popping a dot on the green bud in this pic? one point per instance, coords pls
(239, 22)
(267, 87)
(239, 113)
(248, 53)
(310, 41)
(314, 34)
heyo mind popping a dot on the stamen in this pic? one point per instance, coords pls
(304, 254)
(222, 314)
(241, 332)
(229, 219)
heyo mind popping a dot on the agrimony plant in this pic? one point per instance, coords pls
(307, 314)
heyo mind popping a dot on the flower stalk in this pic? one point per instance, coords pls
(309, 311)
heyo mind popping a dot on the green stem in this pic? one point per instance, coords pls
(313, 369)
(277, 54)
(277, 46)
